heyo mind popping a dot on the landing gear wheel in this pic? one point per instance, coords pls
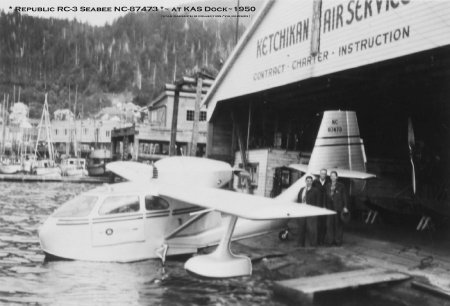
(283, 235)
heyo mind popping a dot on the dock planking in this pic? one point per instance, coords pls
(303, 289)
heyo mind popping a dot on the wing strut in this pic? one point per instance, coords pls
(222, 262)
(186, 224)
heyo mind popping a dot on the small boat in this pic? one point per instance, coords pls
(10, 168)
(45, 167)
(73, 167)
(97, 162)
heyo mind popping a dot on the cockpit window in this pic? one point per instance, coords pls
(79, 206)
(155, 203)
(119, 205)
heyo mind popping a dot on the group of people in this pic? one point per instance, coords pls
(328, 193)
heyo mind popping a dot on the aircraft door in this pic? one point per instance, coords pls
(120, 220)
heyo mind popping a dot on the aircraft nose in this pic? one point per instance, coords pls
(43, 233)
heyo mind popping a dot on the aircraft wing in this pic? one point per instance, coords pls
(341, 172)
(132, 171)
(241, 204)
(351, 174)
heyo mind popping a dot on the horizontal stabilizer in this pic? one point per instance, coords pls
(132, 171)
(241, 204)
(300, 167)
(352, 174)
(341, 172)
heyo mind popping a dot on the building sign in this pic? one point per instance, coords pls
(303, 39)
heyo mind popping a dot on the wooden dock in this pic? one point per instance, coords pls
(42, 178)
(303, 289)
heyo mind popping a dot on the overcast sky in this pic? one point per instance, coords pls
(94, 18)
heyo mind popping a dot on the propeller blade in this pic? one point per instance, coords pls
(411, 144)
(411, 139)
(413, 176)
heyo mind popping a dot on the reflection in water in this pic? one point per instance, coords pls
(26, 278)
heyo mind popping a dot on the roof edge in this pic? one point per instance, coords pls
(237, 51)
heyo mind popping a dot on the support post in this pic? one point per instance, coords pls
(173, 131)
(221, 263)
(242, 150)
(136, 146)
(198, 99)
(124, 147)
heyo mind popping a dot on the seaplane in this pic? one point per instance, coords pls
(176, 206)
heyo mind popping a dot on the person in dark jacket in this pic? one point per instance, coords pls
(308, 226)
(320, 184)
(336, 199)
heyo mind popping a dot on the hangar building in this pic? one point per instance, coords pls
(387, 60)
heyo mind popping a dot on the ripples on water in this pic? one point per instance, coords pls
(25, 278)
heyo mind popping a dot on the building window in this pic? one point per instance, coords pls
(158, 116)
(190, 115)
(108, 133)
(85, 131)
(65, 131)
(56, 131)
(153, 116)
(253, 171)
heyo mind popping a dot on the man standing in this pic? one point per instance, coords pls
(320, 184)
(308, 226)
(336, 199)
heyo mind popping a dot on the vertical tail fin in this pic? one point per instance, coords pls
(338, 143)
(338, 146)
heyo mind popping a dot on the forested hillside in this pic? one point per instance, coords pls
(137, 53)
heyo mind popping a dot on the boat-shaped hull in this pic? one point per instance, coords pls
(10, 169)
(48, 171)
(104, 239)
(76, 172)
(97, 162)
(96, 170)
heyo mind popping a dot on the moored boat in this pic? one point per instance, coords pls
(97, 162)
(73, 167)
(10, 168)
(46, 167)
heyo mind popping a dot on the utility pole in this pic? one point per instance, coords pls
(2, 149)
(198, 100)
(173, 131)
(236, 37)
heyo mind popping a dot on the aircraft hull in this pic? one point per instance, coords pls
(80, 240)
(76, 238)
